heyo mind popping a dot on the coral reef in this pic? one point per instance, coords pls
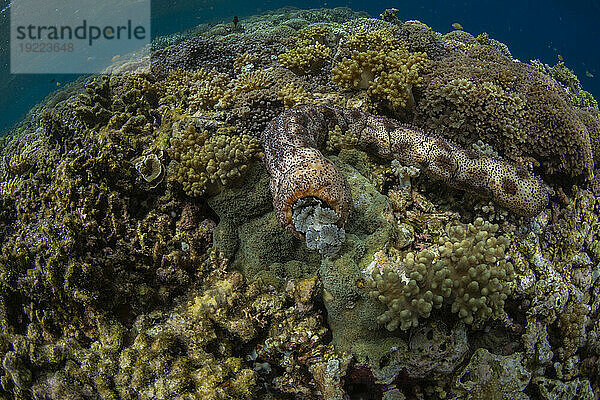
(293, 96)
(141, 255)
(481, 94)
(182, 352)
(208, 162)
(305, 59)
(309, 53)
(199, 90)
(488, 375)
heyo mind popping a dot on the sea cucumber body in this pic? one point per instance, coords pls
(298, 169)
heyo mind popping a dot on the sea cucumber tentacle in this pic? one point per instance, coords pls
(298, 169)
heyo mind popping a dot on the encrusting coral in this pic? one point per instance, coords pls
(299, 170)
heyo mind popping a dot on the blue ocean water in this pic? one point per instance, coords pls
(546, 30)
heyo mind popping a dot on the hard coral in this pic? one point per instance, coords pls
(480, 94)
(209, 162)
(252, 80)
(191, 55)
(421, 37)
(308, 52)
(293, 96)
(380, 63)
(505, 109)
(305, 59)
(199, 90)
(468, 268)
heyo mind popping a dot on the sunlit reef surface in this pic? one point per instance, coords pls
(142, 258)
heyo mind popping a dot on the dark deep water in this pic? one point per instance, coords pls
(531, 29)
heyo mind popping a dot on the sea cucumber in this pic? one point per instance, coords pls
(298, 169)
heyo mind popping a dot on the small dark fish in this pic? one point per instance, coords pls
(236, 21)
(52, 80)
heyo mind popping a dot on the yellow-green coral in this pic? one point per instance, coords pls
(308, 52)
(305, 59)
(337, 140)
(253, 80)
(468, 266)
(198, 90)
(463, 101)
(176, 83)
(387, 76)
(207, 163)
(380, 63)
(577, 96)
(384, 39)
(243, 60)
(10, 187)
(310, 35)
(293, 96)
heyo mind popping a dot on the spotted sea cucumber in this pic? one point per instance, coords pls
(298, 169)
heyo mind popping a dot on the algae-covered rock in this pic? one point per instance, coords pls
(555, 389)
(491, 376)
